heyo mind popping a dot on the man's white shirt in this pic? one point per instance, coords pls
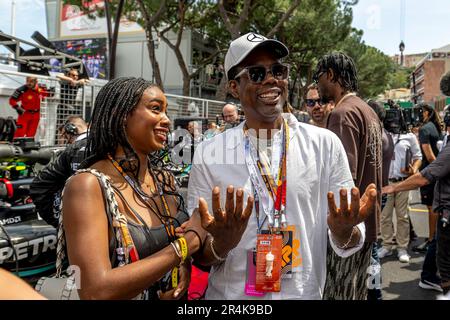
(402, 143)
(316, 164)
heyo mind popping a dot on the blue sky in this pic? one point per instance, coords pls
(426, 22)
(30, 16)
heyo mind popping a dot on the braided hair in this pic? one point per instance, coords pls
(343, 67)
(115, 101)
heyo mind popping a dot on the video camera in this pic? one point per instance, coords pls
(399, 120)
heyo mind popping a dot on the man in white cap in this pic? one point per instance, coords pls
(289, 168)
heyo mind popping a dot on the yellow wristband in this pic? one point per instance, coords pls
(175, 277)
(184, 249)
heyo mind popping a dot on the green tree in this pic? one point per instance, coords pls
(400, 78)
(147, 13)
(374, 67)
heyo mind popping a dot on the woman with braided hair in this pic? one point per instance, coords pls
(121, 216)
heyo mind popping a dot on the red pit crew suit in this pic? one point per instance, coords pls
(29, 111)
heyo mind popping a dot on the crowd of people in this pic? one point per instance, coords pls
(275, 209)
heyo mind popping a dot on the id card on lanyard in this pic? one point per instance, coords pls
(270, 196)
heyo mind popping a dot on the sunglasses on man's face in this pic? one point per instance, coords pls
(312, 102)
(258, 73)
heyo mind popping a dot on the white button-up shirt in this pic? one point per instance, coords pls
(403, 143)
(316, 164)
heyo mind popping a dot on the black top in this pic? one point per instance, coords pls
(439, 170)
(149, 241)
(428, 134)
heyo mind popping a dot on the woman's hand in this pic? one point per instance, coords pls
(184, 274)
(194, 223)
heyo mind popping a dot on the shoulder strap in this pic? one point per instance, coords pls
(116, 220)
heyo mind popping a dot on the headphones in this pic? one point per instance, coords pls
(70, 128)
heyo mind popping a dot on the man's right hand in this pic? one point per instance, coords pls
(226, 226)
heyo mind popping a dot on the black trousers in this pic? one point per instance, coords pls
(443, 254)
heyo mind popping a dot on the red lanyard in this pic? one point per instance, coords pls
(276, 191)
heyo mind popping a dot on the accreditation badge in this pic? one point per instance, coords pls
(268, 262)
(290, 254)
(250, 281)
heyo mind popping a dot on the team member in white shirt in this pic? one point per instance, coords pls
(399, 171)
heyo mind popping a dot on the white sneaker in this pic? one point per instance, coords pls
(424, 284)
(384, 252)
(403, 256)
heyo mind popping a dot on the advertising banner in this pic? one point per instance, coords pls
(76, 22)
(93, 52)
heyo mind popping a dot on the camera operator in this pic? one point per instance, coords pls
(47, 186)
(406, 161)
(74, 129)
(437, 172)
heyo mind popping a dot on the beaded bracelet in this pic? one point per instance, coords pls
(345, 245)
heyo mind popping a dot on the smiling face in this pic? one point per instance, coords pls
(147, 126)
(262, 102)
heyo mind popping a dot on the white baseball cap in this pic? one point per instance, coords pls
(241, 47)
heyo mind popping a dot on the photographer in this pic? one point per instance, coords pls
(406, 161)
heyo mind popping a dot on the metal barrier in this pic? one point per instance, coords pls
(181, 106)
(66, 102)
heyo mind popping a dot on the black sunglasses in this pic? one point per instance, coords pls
(258, 73)
(312, 102)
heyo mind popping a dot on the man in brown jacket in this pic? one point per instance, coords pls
(359, 129)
